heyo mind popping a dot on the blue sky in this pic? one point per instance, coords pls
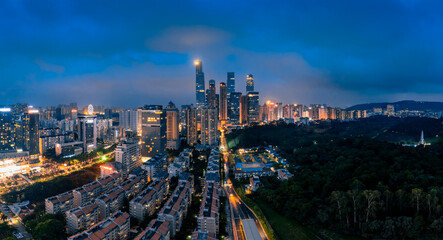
(131, 53)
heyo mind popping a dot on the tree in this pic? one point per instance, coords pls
(417, 194)
(371, 196)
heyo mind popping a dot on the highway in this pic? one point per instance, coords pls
(239, 210)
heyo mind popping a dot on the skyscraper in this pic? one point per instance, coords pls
(249, 83)
(87, 132)
(209, 123)
(172, 121)
(153, 125)
(211, 94)
(244, 109)
(130, 120)
(6, 130)
(234, 109)
(191, 125)
(230, 82)
(223, 102)
(253, 107)
(34, 136)
(199, 84)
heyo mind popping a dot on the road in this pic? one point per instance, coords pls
(239, 209)
(15, 221)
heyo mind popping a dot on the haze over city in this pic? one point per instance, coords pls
(105, 53)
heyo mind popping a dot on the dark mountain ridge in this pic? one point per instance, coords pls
(402, 105)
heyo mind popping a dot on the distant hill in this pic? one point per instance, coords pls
(402, 105)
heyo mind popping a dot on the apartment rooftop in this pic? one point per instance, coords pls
(155, 230)
(101, 229)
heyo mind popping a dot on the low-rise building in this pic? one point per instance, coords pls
(59, 203)
(110, 203)
(82, 217)
(208, 217)
(175, 209)
(115, 227)
(158, 230)
(93, 190)
(155, 165)
(284, 174)
(147, 201)
(199, 235)
(133, 186)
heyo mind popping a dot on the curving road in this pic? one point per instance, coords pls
(239, 210)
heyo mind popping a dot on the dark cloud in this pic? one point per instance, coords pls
(129, 54)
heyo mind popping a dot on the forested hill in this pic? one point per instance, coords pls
(354, 184)
(402, 105)
(397, 130)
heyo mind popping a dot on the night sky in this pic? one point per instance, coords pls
(131, 53)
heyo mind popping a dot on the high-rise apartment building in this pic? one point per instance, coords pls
(223, 102)
(199, 84)
(87, 132)
(234, 109)
(212, 94)
(6, 130)
(130, 120)
(153, 124)
(128, 154)
(172, 123)
(249, 83)
(191, 125)
(253, 107)
(209, 123)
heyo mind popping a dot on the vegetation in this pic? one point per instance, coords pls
(5, 230)
(46, 226)
(350, 180)
(37, 192)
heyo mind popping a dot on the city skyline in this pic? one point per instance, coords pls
(356, 53)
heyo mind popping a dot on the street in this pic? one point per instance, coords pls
(239, 209)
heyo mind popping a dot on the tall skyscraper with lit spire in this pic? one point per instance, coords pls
(249, 83)
(199, 84)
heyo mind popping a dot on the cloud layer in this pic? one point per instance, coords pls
(130, 54)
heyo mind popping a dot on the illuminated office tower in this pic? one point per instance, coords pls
(191, 125)
(249, 83)
(234, 109)
(199, 84)
(244, 109)
(172, 131)
(209, 123)
(34, 136)
(212, 94)
(223, 102)
(230, 82)
(6, 130)
(253, 107)
(153, 125)
(87, 132)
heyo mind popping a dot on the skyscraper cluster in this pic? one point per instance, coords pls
(213, 110)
